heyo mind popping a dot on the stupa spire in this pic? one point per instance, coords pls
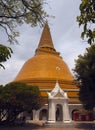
(46, 44)
(46, 39)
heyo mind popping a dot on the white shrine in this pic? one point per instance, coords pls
(58, 105)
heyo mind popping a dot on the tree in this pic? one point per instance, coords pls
(5, 53)
(18, 12)
(85, 75)
(15, 98)
(87, 20)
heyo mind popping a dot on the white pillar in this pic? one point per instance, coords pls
(66, 114)
(35, 115)
(51, 116)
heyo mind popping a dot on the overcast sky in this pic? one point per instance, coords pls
(65, 35)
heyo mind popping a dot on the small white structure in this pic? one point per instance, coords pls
(58, 105)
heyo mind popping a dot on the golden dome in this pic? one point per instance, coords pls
(46, 66)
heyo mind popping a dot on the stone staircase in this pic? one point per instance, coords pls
(59, 125)
(70, 125)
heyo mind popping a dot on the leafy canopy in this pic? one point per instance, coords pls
(5, 53)
(17, 97)
(18, 12)
(87, 20)
(85, 75)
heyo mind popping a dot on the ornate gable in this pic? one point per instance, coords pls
(59, 95)
(57, 92)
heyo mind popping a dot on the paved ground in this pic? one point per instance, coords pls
(71, 126)
(24, 128)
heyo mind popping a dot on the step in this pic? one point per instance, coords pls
(59, 125)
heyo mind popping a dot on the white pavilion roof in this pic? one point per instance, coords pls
(57, 92)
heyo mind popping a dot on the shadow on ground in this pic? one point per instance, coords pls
(26, 126)
(85, 126)
(32, 126)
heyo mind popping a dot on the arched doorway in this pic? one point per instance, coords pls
(43, 114)
(73, 114)
(59, 112)
(28, 115)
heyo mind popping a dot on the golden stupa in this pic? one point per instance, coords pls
(46, 67)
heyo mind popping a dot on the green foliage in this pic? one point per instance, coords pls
(5, 53)
(18, 97)
(85, 75)
(87, 19)
(18, 12)
(19, 91)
